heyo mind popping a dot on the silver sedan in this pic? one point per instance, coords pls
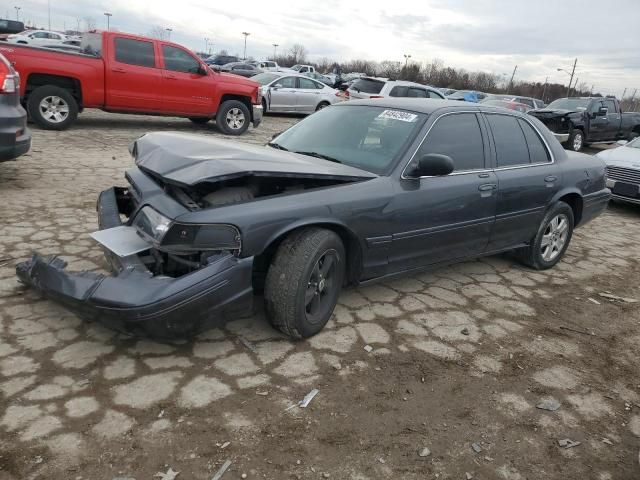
(293, 93)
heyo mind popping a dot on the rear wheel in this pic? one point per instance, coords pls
(233, 117)
(322, 105)
(304, 281)
(576, 140)
(52, 108)
(199, 120)
(552, 240)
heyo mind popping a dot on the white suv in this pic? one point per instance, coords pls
(39, 38)
(373, 87)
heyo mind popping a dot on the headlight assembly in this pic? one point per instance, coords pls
(192, 237)
(151, 224)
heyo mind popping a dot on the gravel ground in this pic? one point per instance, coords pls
(460, 357)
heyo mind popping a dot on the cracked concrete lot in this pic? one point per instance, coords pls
(461, 356)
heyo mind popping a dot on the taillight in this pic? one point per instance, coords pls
(9, 81)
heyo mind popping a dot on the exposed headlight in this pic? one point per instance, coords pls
(151, 224)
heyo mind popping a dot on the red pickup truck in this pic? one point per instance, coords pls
(119, 72)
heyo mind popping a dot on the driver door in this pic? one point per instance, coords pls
(281, 96)
(445, 218)
(185, 89)
(599, 124)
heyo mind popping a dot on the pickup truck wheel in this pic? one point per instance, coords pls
(233, 117)
(553, 237)
(199, 120)
(303, 282)
(576, 140)
(52, 108)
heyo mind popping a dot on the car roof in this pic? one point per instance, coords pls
(424, 105)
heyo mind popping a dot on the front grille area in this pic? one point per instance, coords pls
(626, 175)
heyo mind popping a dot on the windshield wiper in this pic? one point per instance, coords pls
(318, 155)
(277, 146)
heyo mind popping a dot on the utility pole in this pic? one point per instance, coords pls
(575, 85)
(246, 34)
(406, 60)
(571, 79)
(623, 93)
(544, 89)
(275, 46)
(49, 12)
(591, 91)
(511, 81)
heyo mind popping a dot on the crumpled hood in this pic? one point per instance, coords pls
(550, 113)
(187, 160)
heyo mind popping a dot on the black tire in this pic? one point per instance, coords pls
(536, 255)
(264, 105)
(228, 196)
(322, 105)
(199, 120)
(57, 98)
(292, 280)
(576, 140)
(231, 123)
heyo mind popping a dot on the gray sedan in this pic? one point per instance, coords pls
(293, 93)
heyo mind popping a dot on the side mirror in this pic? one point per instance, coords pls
(622, 143)
(602, 111)
(433, 165)
(277, 86)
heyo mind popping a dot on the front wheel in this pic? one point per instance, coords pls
(52, 108)
(233, 117)
(552, 240)
(576, 140)
(304, 281)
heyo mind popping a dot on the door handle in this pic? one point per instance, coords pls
(487, 186)
(550, 179)
(484, 175)
(170, 77)
(118, 70)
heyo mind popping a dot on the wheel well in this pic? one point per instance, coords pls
(575, 202)
(240, 98)
(262, 261)
(36, 80)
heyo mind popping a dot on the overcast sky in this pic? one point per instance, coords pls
(489, 35)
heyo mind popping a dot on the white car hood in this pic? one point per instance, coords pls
(628, 157)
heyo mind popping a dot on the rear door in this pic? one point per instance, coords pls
(308, 95)
(185, 89)
(437, 219)
(133, 77)
(527, 179)
(281, 96)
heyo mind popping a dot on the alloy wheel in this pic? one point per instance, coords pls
(54, 109)
(321, 287)
(235, 118)
(577, 142)
(554, 237)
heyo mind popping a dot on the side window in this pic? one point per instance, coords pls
(538, 153)
(417, 93)
(398, 92)
(511, 146)
(595, 106)
(611, 106)
(287, 82)
(135, 52)
(433, 94)
(40, 35)
(307, 84)
(178, 60)
(526, 101)
(444, 138)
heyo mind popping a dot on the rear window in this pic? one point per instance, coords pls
(135, 52)
(368, 85)
(91, 44)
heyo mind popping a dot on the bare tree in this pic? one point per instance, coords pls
(298, 53)
(89, 23)
(157, 32)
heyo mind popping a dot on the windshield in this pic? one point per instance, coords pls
(366, 137)
(569, 104)
(296, 67)
(265, 78)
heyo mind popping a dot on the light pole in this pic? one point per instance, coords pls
(49, 13)
(406, 60)
(108, 15)
(573, 70)
(544, 89)
(169, 30)
(275, 45)
(17, 13)
(246, 34)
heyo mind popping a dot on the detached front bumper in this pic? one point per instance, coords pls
(256, 115)
(133, 300)
(562, 137)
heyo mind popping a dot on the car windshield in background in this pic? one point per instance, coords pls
(265, 78)
(569, 104)
(366, 137)
(368, 85)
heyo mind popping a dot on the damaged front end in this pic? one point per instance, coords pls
(186, 279)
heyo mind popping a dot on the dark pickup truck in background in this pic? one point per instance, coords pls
(577, 122)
